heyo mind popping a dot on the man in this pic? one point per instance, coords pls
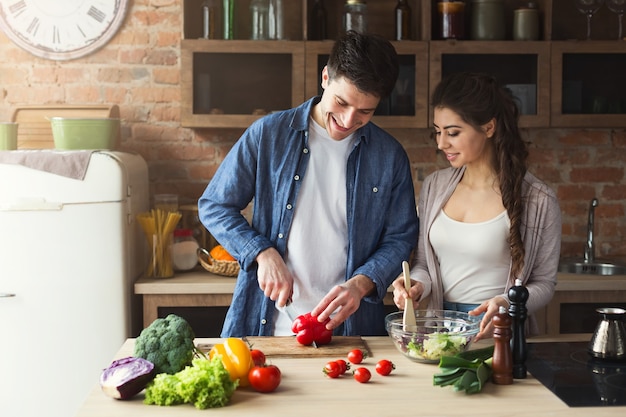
(334, 206)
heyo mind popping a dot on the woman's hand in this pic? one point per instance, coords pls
(490, 308)
(400, 295)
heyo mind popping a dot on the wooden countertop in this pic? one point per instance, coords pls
(409, 391)
(204, 282)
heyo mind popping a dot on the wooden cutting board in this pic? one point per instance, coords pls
(287, 346)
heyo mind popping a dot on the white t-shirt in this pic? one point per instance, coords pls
(317, 244)
(474, 258)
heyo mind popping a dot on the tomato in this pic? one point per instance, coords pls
(356, 356)
(343, 365)
(236, 358)
(384, 367)
(332, 369)
(265, 378)
(362, 375)
(258, 357)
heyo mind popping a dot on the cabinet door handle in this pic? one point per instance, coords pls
(6, 295)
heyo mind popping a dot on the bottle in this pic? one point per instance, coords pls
(184, 250)
(526, 23)
(317, 21)
(276, 20)
(451, 16)
(209, 18)
(487, 20)
(403, 20)
(259, 10)
(228, 10)
(502, 364)
(355, 16)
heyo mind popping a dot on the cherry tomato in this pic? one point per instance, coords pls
(384, 367)
(258, 357)
(356, 356)
(344, 366)
(332, 369)
(362, 375)
(264, 378)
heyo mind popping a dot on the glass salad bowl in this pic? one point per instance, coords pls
(437, 333)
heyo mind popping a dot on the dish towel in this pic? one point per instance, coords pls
(72, 164)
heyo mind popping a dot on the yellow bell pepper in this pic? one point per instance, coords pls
(236, 358)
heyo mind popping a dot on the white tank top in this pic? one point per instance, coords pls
(317, 245)
(474, 258)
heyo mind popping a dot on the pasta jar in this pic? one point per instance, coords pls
(184, 250)
(451, 16)
(487, 20)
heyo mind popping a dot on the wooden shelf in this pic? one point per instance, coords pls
(248, 78)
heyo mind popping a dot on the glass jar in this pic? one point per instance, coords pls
(355, 16)
(184, 250)
(451, 16)
(317, 22)
(487, 20)
(210, 9)
(403, 20)
(259, 11)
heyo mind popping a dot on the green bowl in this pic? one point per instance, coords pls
(84, 133)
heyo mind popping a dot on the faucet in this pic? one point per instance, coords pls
(589, 253)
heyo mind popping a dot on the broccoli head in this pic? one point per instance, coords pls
(167, 343)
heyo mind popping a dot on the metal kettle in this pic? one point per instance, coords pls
(609, 339)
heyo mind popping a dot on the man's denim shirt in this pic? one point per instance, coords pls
(267, 165)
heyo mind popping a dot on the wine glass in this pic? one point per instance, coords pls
(588, 7)
(617, 6)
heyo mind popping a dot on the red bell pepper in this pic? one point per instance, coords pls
(309, 330)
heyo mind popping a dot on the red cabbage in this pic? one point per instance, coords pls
(126, 377)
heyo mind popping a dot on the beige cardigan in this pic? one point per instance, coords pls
(541, 234)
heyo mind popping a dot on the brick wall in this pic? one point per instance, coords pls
(140, 71)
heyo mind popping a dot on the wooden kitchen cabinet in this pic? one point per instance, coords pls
(588, 88)
(408, 104)
(225, 83)
(525, 69)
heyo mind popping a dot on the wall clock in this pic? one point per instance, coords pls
(61, 29)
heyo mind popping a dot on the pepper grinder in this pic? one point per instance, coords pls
(518, 295)
(502, 358)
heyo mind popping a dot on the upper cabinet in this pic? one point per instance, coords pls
(231, 77)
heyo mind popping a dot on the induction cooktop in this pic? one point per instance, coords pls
(578, 379)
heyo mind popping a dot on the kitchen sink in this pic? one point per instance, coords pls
(597, 267)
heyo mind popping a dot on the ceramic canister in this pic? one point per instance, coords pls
(487, 22)
(526, 24)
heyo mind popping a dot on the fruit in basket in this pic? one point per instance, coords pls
(220, 254)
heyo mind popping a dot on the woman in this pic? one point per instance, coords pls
(486, 220)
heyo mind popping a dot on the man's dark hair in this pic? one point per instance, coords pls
(368, 61)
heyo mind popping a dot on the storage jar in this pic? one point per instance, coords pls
(526, 24)
(184, 250)
(355, 16)
(451, 17)
(487, 20)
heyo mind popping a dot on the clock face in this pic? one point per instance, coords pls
(61, 29)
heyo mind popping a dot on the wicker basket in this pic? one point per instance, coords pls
(226, 268)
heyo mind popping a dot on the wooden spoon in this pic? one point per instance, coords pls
(408, 320)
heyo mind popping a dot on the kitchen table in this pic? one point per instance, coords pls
(408, 391)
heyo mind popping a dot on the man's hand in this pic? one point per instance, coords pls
(274, 278)
(343, 299)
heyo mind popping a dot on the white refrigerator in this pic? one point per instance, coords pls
(70, 251)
